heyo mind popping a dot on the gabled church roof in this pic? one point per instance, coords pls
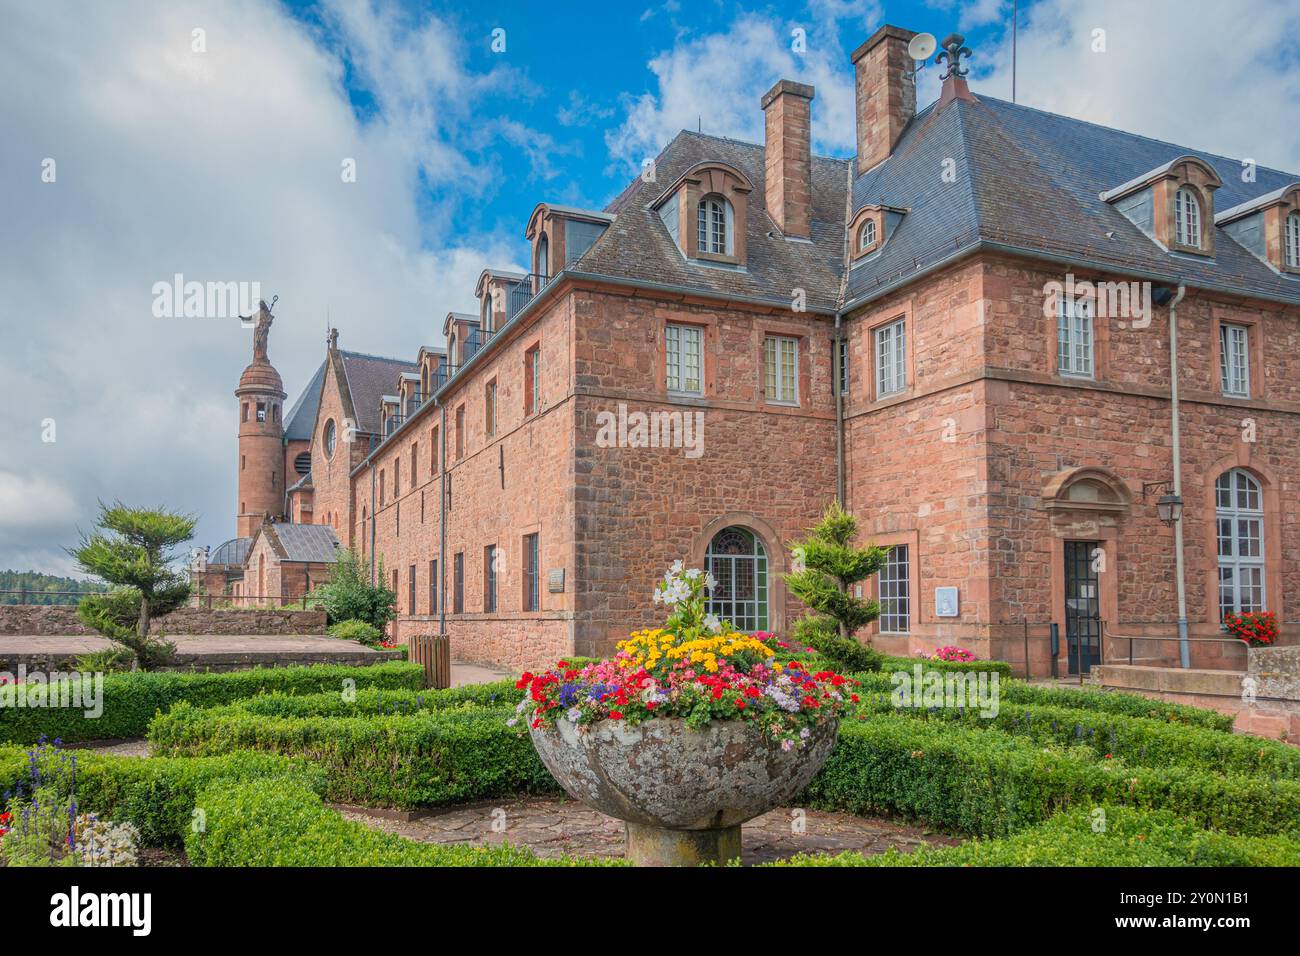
(368, 378)
(300, 421)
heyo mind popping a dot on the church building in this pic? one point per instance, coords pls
(1053, 367)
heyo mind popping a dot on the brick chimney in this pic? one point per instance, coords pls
(787, 157)
(886, 99)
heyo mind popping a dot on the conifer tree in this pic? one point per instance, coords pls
(134, 548)
(826, 565)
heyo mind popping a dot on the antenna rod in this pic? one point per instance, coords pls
(1015, 9)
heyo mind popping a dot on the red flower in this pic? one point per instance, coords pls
(811, 702)
(615, 715)
(740, 704)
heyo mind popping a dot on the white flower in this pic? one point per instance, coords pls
(512, 721)
(710, 581)
(677, 567)
(573, 713)
(692, 574)
(713, 622)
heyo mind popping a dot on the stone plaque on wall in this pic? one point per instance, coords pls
(555, 580)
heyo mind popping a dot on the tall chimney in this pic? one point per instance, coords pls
(886, 98)
(787, 157)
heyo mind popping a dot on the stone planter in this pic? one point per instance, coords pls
(682, 793)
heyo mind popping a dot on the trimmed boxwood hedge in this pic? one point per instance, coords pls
(1134, 740)
(1001, 668)
(1111, 702)
(131, 700)
(405, 760)
(989, 783)
(378, 702)
(283, 823)
(1128, 838)
(158, 796)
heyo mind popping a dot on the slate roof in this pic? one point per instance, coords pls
(368, 378)
(1031, 179)
(637, 245)
(230, 552)
(300, 421)
(303, 542)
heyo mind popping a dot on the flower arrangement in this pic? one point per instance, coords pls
(950, 652)
(697, 667)
(1257, 628)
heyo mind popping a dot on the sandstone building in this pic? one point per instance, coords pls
(964, 331)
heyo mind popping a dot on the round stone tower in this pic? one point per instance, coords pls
(261, 435)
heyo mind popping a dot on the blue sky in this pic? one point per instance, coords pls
(223, 164)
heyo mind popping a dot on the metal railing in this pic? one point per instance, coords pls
(25, 595)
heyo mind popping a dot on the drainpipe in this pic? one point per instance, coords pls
(839, 411)
(1184, 646)
(373, 520)
(442, 516)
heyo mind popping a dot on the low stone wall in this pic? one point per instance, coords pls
(513, 644)
(61, 620)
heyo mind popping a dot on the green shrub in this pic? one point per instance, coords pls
(844, 653)
(1111, 702)
(1127, 838)
(157, 796)
(131, 700)
(989, 783)
(377, 702)
(283, 823)
(349, 595)
(1137, 741)
(407, 760)
(355, 630)
(891, 664)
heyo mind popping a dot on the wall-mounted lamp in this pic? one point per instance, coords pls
(1169, 506)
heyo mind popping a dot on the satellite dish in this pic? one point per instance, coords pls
(922, 46)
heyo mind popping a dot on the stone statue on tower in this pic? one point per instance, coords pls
(262, 332)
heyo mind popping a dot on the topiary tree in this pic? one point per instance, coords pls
(349, 595)
(134, 549)
(825, 567)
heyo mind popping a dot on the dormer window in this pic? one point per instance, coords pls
(1187, 218)
(867, 235)
(1293, 241)
(715, 225)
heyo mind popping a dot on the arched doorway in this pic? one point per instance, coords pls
(738, 562)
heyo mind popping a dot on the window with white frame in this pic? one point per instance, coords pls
(683, 354)
(1074, 338)
(1187, 218)
(891, 358)
(1234, 359)
(714, 220)
(895, 593)
(781, 369)
(844, 366)
(1293, 240)
(867, 235)
(1239, 519)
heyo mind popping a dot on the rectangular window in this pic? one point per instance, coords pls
(433, 451)
(397, 478)
(397, 517)
(244, 415)
(460, 433)
(895, 599)
(490, 578)
(1074, 349)
(532, 590)
(532, 379)
(781, 369)
(458, 583)
(891, 358)
(415, 451)
(261, 411)
(410, 592)
(381, 489)
(1234, 359)
(682, 354)
(844, 366)
(433, 587)
(490, 407)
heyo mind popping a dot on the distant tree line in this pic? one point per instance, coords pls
(42, 588)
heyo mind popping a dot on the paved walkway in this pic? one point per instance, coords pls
(552, 826)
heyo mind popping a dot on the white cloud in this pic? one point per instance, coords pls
(1222, 82)
(715, 82)
(223, 166)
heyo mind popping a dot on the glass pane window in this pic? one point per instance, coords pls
(682, 347)
(1239, 533)
(713, 221)
(532, 589)
(844, 366)
(1074, 341)
(738, 562)
(895, 596)
(1234, 359)
(891, 358)
(781, 369)
(1187, 218)
(1293, 240)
